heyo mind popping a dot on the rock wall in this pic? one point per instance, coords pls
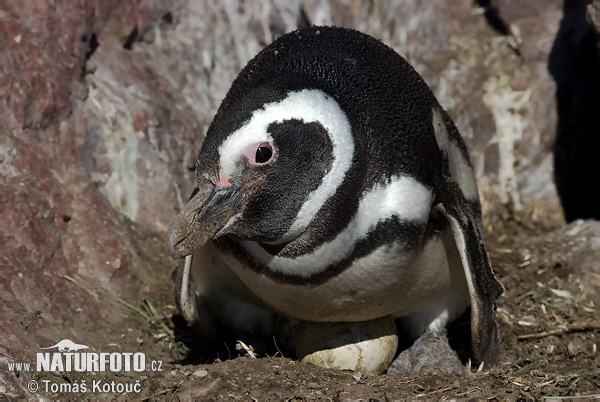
(68, 259)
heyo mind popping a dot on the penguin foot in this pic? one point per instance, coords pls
(431, 352)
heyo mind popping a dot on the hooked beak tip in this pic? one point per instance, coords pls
(175, 240)
(201, 219)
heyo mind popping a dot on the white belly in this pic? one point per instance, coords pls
(387, 281)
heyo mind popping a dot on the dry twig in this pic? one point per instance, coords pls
(574, 327)
(435, 392)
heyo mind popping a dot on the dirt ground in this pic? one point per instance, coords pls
(549, 333)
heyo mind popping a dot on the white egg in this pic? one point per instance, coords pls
(367, 346)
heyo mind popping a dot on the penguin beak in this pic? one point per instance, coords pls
(202, 218)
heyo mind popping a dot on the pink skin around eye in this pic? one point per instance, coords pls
(250, 153)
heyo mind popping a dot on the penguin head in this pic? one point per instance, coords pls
(292, 145)
(258, 177)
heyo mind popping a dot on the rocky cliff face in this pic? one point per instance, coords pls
(103, 106)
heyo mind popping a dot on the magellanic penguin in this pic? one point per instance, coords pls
(332, 187)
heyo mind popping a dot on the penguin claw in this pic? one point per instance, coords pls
(431, 352)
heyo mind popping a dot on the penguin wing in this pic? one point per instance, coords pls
(189, 305)
(484, 289)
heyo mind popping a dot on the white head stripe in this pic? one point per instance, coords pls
(309, 105)
(403, 197)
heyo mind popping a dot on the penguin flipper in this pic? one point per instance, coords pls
(191, 307)
(212, 299)
(484, 288)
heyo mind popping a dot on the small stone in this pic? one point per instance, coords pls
(200, 373)
(430, 352)
(275, 391)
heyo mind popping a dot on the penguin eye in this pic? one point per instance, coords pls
(261, 153)
(264, 153)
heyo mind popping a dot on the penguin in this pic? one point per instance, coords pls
(333, 187)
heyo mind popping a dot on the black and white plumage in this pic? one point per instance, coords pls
(333, 187)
